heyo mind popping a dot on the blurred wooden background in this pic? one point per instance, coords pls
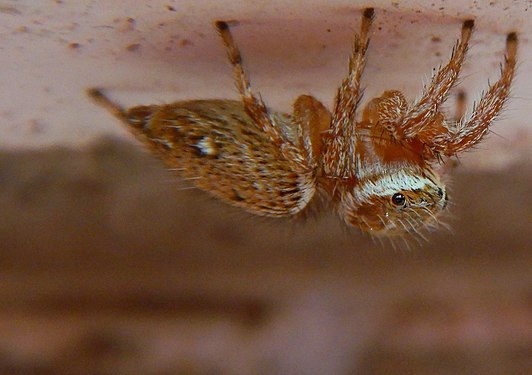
(107, 266)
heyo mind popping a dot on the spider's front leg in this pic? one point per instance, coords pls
(468, 133)
(424, 113)
(339, 147)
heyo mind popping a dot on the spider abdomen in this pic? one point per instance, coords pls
(215, 144)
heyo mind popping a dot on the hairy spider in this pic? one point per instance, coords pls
(377, 170)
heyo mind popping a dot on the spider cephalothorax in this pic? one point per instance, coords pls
(377, 167)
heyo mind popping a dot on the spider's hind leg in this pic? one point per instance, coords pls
(253, 105)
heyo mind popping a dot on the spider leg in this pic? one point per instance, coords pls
(426, 109)
(254, 105)
(339, 149)
(469, 132)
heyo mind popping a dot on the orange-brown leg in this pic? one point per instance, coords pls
(254, 106)
(339, 148)
(469, 132)
(425, 110)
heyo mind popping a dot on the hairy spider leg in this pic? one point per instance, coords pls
(469, 132)
(310, 116)
(254, 106)
(425, 111)
(340, 142)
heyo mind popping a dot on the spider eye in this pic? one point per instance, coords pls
(398, 199)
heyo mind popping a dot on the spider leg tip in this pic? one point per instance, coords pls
(469, 24)
(221, 25)
(512, 37)
(511, 46)
(369, 12)
(95, 93)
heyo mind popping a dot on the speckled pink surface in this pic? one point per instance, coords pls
(163, 50)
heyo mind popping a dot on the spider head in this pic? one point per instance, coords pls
(395, 204)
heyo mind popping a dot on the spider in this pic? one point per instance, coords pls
(376, 167)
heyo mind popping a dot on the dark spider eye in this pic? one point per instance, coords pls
(398, 199)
